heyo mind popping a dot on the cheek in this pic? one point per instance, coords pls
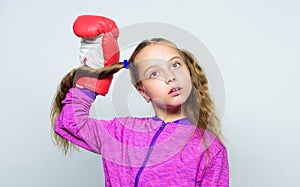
(185, 76)
(152, 87)
(189, 86)
(187, 80)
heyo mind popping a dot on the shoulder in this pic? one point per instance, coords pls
(209, 141)
(131, 120)
(139, 124)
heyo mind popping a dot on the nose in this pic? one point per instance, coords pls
(170, 80)
(170, 77)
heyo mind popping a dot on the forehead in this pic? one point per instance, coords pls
(156, 51)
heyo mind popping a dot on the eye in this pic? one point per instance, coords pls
(176, 64)
(153, 74)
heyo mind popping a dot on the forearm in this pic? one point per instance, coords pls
(74, 123)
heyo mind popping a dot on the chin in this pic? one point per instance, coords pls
(174, 106)
(170, 105)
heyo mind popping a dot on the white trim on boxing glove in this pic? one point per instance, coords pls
(91, 52)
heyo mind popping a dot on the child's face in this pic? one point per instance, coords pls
(164, 76)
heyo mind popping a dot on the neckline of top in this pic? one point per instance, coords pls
(183, 121)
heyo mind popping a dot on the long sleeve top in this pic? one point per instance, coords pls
(144, 151)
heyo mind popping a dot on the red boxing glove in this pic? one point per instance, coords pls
(99, 48)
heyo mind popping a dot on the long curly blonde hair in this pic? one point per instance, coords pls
(199, 106)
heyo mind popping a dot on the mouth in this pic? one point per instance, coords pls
(175, 91)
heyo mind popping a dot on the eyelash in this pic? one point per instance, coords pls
(176, 63)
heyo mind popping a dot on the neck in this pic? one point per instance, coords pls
(168, 115)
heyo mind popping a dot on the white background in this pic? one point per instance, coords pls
(255, 43)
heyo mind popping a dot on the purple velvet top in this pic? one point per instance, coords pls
(144, 151)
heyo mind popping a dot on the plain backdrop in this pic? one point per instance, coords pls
(254, 43)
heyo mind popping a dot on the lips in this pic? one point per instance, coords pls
(174, 90)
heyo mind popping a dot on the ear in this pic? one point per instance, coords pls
(142, 91)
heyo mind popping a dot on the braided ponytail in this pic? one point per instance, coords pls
(68, 82)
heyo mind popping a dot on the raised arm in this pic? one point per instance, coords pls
(99, 55)
(74, 123)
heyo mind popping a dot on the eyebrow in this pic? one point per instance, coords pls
(174, 57)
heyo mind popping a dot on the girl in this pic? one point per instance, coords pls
(180, 146)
